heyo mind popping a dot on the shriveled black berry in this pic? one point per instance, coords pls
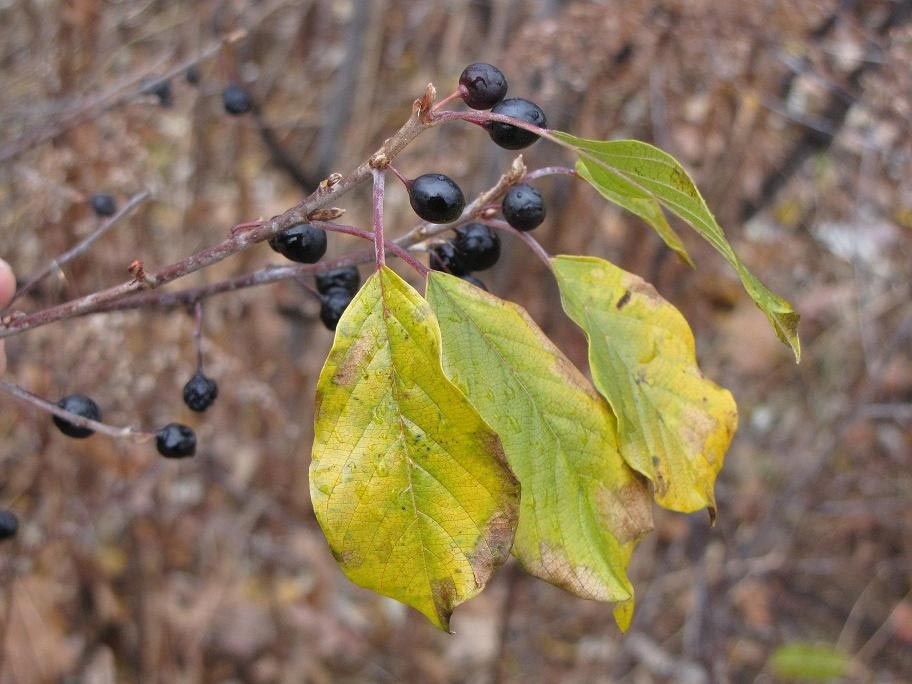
(333, 305)
(477, 245)
(82, 406)
(523, 207)
(303, 243)
(199, 392)
(482, 85)
(175, 441)
(436, 198)
(345, 278)
(444, 257)
(474, 281)
(9, 525)
(236, 100)
(103, 204)
(512, 137)
(192, 74)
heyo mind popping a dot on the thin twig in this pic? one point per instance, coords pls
(28, 398)
(530, 241)
(377, 217)
(81, 247)
(198, 335)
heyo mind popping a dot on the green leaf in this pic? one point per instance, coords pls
(582, 508)
(635, 200)
(809, 661)
(629, 172)
(675, 425)
(408, 482)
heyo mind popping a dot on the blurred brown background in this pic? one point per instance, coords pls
(794, 118)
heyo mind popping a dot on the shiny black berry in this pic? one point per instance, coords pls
(333, 305)
(444, 257)
(9, 525)
(523, 207)
(436, 198)
(303, 243)
(199, 392)
(474, 281)
(236, 100)
(478, 246)
(482, 85)
(175, 441)
(103, 204)
(512, 137)
(345, 277)
(82, 406)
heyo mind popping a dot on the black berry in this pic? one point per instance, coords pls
(444, 257)
(523, 207)
(175, 441)
(436, 198)
(236, 100)
(333, 305)
(192, 75)
(303, 243)
(512, 137)
(482, 85)
(9, 525)
(103, 204)
(199, 392)
(82, 406)
(474, 281)
(161, 88)
(345, 278)
(477, 245)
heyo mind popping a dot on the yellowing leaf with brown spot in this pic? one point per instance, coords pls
(674, 424)
(582, 510)
(408, 482)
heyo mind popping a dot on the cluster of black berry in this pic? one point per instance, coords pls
(475, 247)
(337, 287)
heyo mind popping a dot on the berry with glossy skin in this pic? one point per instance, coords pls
(303, 243)
(9, 525)
(512, 137)
(236, 100)
(482, 85)
(82, 406)
(333, 305)
(477, 245)
(175, 441)
(444, 257)
(474, 281)
(436, 198)
(345, 278)
(103, 204)
(199, 392)
(523, 207)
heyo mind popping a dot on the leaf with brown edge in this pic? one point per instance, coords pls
(408, 482)
(582, 509)
(675, 425)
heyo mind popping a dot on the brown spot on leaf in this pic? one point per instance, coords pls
(351, 366)
(624, 300)
(629, 510)
(445, 596)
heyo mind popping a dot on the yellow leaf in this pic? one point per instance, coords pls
(408, 482)
(674, 424)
